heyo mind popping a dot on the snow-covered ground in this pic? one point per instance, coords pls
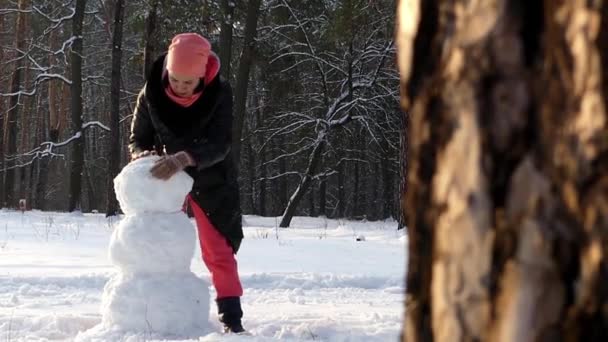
(313, 281)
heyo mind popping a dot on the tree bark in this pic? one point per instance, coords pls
(341, 197)
(77, 153)
(313, 161)
(323, 197)
(283, 184)
(12, 115)
(507, 175)
(242, 80)
(262, 156)
(387, 188)
(114, 148)
(149, 37)
(251, 174)
(356, 211)
(311, 198)
(41, 172)
(24, 186)
(2, 119)
(226, 37)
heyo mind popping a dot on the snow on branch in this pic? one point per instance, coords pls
(45, 76)
(96, 123)
(4, 11)
(46, 149)
(281, 175)
(309, 57)
(328, 173)
(309, 45)
(58, 21)
(286, 155)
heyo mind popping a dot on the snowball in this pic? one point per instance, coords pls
(138, 191)
(172, 305)
(153, 243)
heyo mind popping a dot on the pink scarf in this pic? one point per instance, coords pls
(182, 101)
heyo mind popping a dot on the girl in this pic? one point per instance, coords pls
(184, 113)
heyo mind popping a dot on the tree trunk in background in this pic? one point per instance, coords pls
(363, 179)
(77, 156)
(12, 115)
(507, 180)
(355, 165)
(2, 118)
(251, 173)
(262, 156)
(41, 175)
(311, 197)
(242, 78)
(292, 205)
(387, 190)
(114, 150)
(24, 186)
(323, 197)
(373, 186)
(283, 185)
(226, 37)
(51, 124)
(149, 37)
(341, 197)
(262, 194)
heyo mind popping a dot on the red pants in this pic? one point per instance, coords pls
(217, 255)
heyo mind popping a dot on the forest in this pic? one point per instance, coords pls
(317, 123)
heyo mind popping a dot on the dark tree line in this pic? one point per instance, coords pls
(317, 122)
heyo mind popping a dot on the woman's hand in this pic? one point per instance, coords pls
(169, 165)
(142, 154)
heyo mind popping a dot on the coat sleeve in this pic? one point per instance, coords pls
(142, 130)
(214, 146)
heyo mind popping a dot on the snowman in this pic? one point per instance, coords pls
(154, 293)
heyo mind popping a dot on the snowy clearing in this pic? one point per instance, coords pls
(311, 282)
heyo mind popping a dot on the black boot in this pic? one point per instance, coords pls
(230, 314)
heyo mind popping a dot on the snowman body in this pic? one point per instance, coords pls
(154, 291)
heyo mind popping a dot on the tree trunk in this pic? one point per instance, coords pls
(311, 198)
(283, 184)
(356, 203)
(240, 93)
(149, 37)
(226, 37)
(262, 155)
(114, 148)
(387, 188)
(373, 185)
(341, 197)
(2, 111)
(50, 126)
(27, 124)
(77, 155)
(262, 193)
(507, 176)
(93, 193)
(323, 197)
(251, 174)
(313, 161)
(42, 171)
(12, 115)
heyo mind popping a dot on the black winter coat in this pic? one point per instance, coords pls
(204, 130)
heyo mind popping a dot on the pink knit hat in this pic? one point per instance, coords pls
(188, 55)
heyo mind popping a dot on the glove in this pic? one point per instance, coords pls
(142, 154)
(169, 165)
